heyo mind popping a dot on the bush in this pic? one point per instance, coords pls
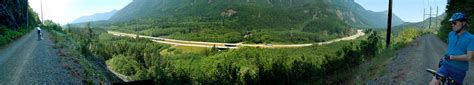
(8, 35)
(405, 36)
(126, 65)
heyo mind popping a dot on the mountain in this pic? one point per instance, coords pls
(282, 15)
(356, 15)
(435, 22)
(252, 11)
(265, 21)
(95, 17)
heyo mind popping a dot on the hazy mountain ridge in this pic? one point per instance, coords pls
(95, 17)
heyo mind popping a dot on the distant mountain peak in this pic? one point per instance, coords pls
(96, 17)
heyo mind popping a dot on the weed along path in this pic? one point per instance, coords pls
(231, 45)
(29, 61)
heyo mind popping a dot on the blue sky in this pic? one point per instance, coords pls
(65, 11)
(407, 10)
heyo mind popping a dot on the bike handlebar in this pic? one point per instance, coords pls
(441, 77)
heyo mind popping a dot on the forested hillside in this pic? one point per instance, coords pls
(248, 21)
(355, 15)
(17, 18)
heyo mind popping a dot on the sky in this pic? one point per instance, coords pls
(407, 10)
(65, 11)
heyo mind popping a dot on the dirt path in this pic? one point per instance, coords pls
(29, 61)
(222, 45)
(408, 66)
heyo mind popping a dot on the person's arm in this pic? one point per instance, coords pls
(466, 57)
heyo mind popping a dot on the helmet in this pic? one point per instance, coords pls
(458, 16)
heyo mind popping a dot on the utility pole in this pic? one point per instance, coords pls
(430, 16)
(389, 23)
(429, 24)
(436, 20)
(423, 20)
(27, 15)
(42, 12)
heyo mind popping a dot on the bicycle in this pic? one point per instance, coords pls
(40, 36)
(442, 78)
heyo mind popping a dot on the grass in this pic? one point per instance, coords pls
(377, 65)
(372, 68)
(345, 75)
(188, 49)
(7, 35)
(65, 46)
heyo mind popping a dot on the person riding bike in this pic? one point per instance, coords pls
(40, 35)
(460, 51)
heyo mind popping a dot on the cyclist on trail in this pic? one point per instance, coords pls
(460, 51)
(40, 35)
